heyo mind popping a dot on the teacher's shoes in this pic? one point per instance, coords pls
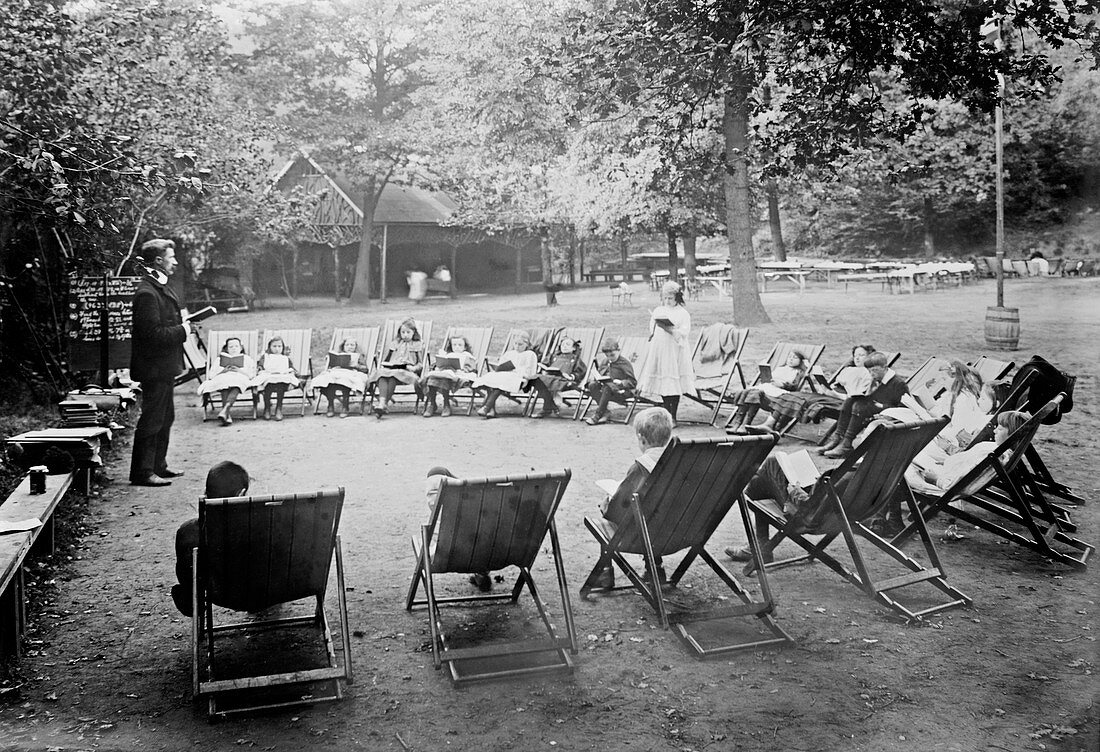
(166, 473)
(150, 480)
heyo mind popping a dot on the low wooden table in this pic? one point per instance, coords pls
(84, 444)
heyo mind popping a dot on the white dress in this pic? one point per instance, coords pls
(274, 369)
(345, 377)
(667, 370)
(218, 378)
(526, 366)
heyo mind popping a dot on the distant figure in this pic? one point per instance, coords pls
(1037, 264)
(418, 284)
(442, 273)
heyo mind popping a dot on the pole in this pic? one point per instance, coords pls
(999, 149)
(385, 253)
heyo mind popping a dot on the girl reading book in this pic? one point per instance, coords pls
(667, 372)
(454, 366)
(401, 363)
(275, 374)
(566, 371)
(517, 366)
(346, 373)
(231, 374)
(785, 378)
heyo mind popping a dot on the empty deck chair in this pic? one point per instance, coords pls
(777, 357)
(477, 340)
(1006, 501)
(484, 525)
(634, 350)
(842, 503)
(385, 345)
(256, 552)
(717, 362)
(366, 344)
(194, 357)
(680, 505)
(212, 400)
(298, 342)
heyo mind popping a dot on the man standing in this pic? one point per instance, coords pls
(156, 359)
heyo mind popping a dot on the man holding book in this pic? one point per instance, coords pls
(158, 333)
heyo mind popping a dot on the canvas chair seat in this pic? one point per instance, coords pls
(486, 525)
(298, 341)
(256, 552)
(683, 501)
(250, 343)
(841, 506)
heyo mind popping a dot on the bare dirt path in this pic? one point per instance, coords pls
(108, 665)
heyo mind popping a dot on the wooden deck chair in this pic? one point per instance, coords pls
(389, 334)
(930, 381)
(256, 552)
(542, 338)
(298, 341)
(194, 357)
(367, 338)
(683, 501)
(991, 369)
(250, 341)
(778, 357)
(842, 503)
(633, 349)
(588, 339)
(716, 359)
(1005, 493)
(478, 338)
(484, 525)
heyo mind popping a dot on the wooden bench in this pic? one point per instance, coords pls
(84, 444)
(866, 277)
(440, 287)
(15, 546)
(797, 276)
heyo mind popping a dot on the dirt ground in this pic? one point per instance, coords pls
(108, 667)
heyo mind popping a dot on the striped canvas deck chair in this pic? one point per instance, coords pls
(991, 369)
(930, 381)
(478, 339)
(1005, 499)
(679, 506)
(588, 341)
(841, 505)
(389, 335)
(542, 339)
(634, 350)
(256, 552)
(250, 342)
(366, 337)
(825, 412)
(485, 525)
(298, 342)
(716, 359)
(778, 356)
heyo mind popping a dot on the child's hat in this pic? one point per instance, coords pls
(670, 288)
(610, 344)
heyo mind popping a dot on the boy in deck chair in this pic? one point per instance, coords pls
(653, 427)
(225, 479)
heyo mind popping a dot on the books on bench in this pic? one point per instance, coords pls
(799, 468)
(231, 361)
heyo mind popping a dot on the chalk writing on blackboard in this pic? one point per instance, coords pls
(100, 308)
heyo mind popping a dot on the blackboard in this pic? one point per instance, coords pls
(100, 309)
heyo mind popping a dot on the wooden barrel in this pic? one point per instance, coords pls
(1002, 328)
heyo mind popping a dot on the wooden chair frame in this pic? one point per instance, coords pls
(367, 338)
(250, 341)
(546, 335)
(682, 502)
(484, 525)
(299, 342)
(633, 349)
(256, 552)
(713, 396)
(778, 356)
(873, 475)
(589, 340)
(1004, 489)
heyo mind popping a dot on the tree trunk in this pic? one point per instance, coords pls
(336, 272)
(929, 217)
(360, 286)
(772, 191)
(548, 269)
(622, 247)
(294, 271)
(673, 259)
(747, 308)
(572, 257)
(688, 237)
(580, 257)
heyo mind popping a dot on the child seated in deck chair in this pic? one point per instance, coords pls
(340, 379)
(401, 363)
(275, 374)
(616, 380)
(934, 476)
(232, 375)
(483, 581)
(224, 480)
(566, 370)
(653, 428)
(785, 378)
(444, 380)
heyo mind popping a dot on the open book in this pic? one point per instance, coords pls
(201, 315)
(799, 468)
(276, 363)
(765, 373)
(822, 381)
(448, 363)
(391, 365)
(506, 365)
(663, 321)
(609, 486)
(231, 361)
(339, 360)
(551, 370)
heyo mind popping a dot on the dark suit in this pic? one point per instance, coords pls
(604, 391)
(156, 359)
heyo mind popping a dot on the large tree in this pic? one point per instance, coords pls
(825, 55)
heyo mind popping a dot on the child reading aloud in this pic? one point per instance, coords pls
(615, 380)
(346, 373)
(785, 378)
(274, 376)
(454, 366)
(653, 429)
(517, 366)
(566, 370)
(401, 364)
(231, 374)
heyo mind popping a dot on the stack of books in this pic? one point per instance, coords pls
(76, 413)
